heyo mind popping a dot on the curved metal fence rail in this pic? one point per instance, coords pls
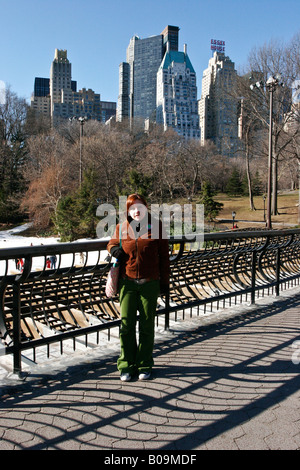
(40, 306)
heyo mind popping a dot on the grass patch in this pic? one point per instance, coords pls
(287, 208)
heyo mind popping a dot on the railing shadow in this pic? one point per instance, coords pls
(36, 303)
(206, 382)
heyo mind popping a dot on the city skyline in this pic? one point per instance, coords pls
(96, 34)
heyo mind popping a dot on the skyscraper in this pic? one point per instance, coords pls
(123, 111)
(177, 94)
(217, 106)
(41, 86)
(157, 83)
(59, 99)
(144, 57)
(137, 76)
(41, 98)
(60, 80)
(170, 35)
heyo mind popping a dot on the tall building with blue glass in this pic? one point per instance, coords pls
(138, 75)
(176, 102)
(157, 83)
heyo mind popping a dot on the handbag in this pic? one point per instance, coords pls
(111, 287)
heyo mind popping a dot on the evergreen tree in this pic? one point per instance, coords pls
(234, 185)
(86, 205)
(211, 207)
(65, 219)
(257, 186)
(76, 214)
(136, 182)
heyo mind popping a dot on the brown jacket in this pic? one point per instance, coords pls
(145, 257)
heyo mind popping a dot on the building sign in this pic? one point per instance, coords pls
(217, 45)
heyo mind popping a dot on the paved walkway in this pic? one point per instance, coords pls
(229, 385)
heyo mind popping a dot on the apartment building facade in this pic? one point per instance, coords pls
(176, 105)
(157, 83)
(137, 78)
(217, 107)
(58, 98)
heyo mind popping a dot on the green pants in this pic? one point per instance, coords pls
(137, 356)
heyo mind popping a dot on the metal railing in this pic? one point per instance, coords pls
(40, 306)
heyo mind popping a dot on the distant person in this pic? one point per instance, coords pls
(20, 264)
(48, 263)
(53, 260)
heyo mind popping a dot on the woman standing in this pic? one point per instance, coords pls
(144, 273)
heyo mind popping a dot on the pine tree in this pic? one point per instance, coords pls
(136, 182)
(211, 207)
(257, 185)
(76, 214)
(65, 219)
(86, 205)
(234, 185)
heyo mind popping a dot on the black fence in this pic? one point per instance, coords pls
(43, 303)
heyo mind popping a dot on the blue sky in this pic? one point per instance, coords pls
(96, 34)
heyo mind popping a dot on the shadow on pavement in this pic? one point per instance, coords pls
(206, 383)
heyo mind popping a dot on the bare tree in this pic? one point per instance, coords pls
(195, 164)
(13, 112)
(156, 159)
(271, 59)
(107, 153)
(44, 194)
(50, 173)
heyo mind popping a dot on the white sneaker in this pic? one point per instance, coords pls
(125, 377)
(144, 375)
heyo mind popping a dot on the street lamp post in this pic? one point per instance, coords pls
(264, 198)
(81, 122)
(271, 85)
(269, 195)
